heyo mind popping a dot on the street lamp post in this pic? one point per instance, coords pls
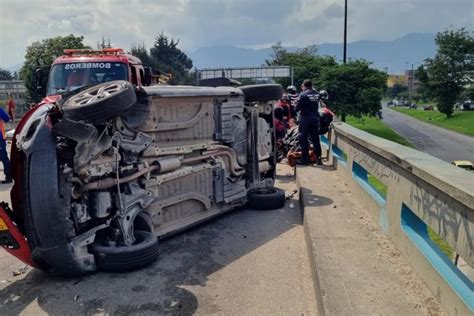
(345, 32)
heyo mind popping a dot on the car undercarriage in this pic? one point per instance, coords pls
(109, 170)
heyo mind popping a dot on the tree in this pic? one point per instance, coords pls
(41, 55)
(168, 58)
(446, 72)
(140, 51)
(5, 74)
(422, 75)
(354, 88)
(306, 64)
(468, 94)
(396, 90)
(104, 44)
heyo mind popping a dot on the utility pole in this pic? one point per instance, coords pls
(345, 32)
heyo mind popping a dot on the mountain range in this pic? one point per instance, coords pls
(394, 56)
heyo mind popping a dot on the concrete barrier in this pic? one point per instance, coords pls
(421, 191)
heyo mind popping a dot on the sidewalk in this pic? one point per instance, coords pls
(356, 269)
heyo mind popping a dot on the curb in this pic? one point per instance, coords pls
(320, 302)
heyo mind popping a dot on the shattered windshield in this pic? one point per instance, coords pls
(71, 76)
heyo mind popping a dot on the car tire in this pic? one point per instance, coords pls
(266, 199)
(262, 92)
(48, 226)
(126, 258)
(100, 103)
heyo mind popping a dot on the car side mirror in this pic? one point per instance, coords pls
(39, 80)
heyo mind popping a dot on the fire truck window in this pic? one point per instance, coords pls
(142, 75)
(70, 76)
(134, 75)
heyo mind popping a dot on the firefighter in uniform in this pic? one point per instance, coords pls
(308, 107)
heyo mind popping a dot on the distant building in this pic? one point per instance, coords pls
(411, 81)
(393, 79)
(17, 90)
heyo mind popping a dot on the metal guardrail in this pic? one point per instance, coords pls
(422, 192)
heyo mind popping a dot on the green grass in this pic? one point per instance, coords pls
(376, 127)
(377, 185)
(461, 122)
(441, 243)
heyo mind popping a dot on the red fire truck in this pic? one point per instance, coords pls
(84, 67)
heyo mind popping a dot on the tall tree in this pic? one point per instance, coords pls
(396, 90)
(104, 43)
(167, 57)
(446, 73)
(354, 88)
(5, 74)
(306, 64)
(424, 90)
(140, 51)
(41, 55)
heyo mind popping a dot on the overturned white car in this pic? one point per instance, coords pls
(107, 171)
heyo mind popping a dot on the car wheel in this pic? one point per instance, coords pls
(266, 199)
(113, 258)
(100, 103)
(47, 219)
(262, 92)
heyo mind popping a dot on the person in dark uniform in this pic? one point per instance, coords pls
(308, 107)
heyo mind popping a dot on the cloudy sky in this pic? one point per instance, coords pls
(244, 23)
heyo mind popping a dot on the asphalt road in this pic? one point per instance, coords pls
(243, 263)
(436, 141)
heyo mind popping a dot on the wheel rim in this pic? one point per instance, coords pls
(94, 95)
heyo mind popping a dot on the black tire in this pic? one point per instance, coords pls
(127, 258)
(101, 102)
(48, 226)
(262, 92)
(266, 199)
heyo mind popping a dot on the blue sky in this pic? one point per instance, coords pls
(243, 23)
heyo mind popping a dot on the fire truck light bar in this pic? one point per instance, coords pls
(92, 51)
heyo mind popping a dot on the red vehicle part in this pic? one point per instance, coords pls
(12, 240)
(14, 219)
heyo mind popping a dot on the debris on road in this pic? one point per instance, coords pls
(291, 195)
(14, 297)
(20, 271)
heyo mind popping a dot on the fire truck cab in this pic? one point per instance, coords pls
(83, 67)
